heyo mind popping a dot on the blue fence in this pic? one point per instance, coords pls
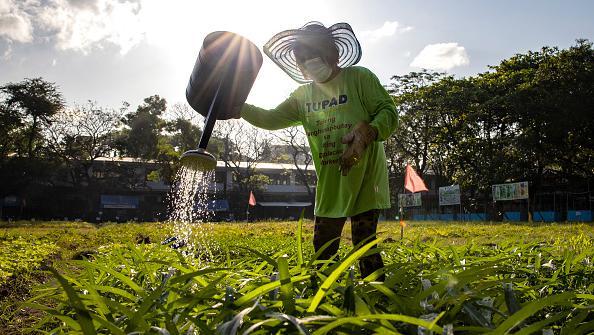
(513, 216)
(474, 217)
(579, 216)
(450, 217)
(546, 216)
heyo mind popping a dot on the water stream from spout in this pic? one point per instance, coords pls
(189, 213)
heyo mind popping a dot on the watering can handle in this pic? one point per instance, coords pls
(211, 118)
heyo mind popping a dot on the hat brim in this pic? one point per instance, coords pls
(280, 48)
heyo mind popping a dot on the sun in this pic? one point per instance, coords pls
(177, 29)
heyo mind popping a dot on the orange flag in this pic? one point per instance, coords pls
(412, 181)
(252, 201)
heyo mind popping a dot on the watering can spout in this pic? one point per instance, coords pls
(198, 159)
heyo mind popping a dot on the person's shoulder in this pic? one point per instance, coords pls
(303, 87)
(300, 91)
(359, 71)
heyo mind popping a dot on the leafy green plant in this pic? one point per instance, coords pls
(153, 289)
(261, 278)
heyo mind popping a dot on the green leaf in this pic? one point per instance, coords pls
(295, 321)
(348, 302)
(286, 290)
(185, 277)
(138, 320)
(337, 272)
(256, 325)
(329, 308)
(530, 309)
(300, 239)
(82, 313)
(230, 327)
(265, 257)
(535, 327)
(476, 315)
(113, 329)
(117, 291)
(570, 327)
(510, 298)
(399, 303)
(123, 278)
(253, 294)
(320, 251)
(363, 319)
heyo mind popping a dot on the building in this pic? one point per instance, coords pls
(282, 198)
(124, 189)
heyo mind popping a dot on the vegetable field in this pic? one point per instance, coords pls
(264, 278)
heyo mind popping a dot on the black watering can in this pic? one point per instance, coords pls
(223, 76)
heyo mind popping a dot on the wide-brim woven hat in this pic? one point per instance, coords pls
(280, 47)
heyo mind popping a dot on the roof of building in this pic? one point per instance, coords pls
(220, 164)
(270, 166)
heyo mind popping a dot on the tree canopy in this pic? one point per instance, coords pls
(529, 118)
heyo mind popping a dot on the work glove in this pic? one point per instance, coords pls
(358, 140)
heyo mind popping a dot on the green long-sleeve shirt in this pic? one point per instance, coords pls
(327, 112)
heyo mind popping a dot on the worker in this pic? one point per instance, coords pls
(346, 114)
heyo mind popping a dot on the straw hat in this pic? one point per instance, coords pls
(280, 47)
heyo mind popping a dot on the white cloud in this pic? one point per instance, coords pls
(84, 4)
(390, 28)
(441, 56)
(79, 25)
(15, 24)
(83, 25)
(8, 52)
(4, 6)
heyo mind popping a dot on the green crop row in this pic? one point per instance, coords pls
(19, 257)
(272, 283)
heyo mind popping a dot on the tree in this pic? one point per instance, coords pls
(78, 136)
(183, 134)
(416, 136)
(182, 111)
(141, 137)
(474, 133)
(243, 148)
(556, 104)
(11, 124)
(300, 153)
(36, 101)
(544, 100)
(530, 116)
(567, 84)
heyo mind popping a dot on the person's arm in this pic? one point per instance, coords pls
(379, 104)
(284, 115)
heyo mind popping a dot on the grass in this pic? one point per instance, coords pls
(261, 278)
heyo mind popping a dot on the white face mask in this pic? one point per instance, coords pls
(317, 70)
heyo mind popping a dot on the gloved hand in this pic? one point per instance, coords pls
(358, 139)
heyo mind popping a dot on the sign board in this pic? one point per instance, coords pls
(449, 195)
(119, 201)
(218, 205)
(512, 191)
(11, 200)
(409, 200)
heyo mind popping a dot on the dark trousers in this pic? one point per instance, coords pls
(362, 226)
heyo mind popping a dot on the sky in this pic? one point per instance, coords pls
(111, 51)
